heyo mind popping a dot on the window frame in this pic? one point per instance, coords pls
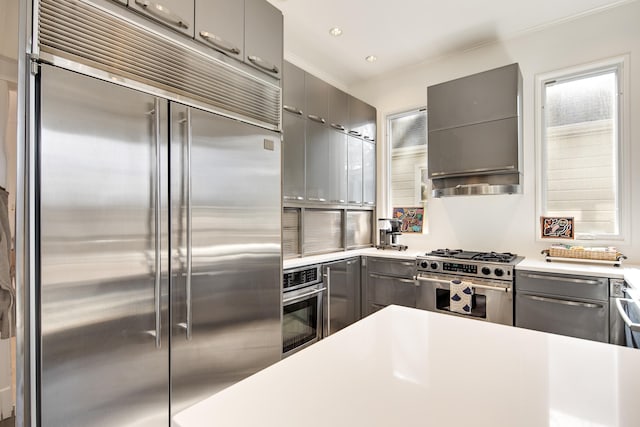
(620, 65)
(389, 156)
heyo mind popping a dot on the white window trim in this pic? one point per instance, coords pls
(388, 209)
(624, 178)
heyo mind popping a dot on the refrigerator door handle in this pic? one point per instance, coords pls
(158, 206)
(189, 229)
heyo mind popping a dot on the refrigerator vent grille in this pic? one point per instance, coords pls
(86, 34)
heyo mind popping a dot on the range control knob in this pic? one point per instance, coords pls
(486, 271)
(424, 264)
(498, 272)
(434, 265)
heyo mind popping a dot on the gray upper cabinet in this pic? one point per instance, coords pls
(263, 36)
(483, 97)
(338, 109)
(368, 173)
(337, 171)
(316, 99)
(355, 163)
(177, 14)
(362, 119)
(293, 152)
(293, 89)
(317, 151)
(222, 31)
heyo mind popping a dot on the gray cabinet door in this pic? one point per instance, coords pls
(317, 154)
(263, 36)
(487, 96)
(337, 170)
(222, 31)
(293, 155)
(369, 173)
(580, 319)
(343, 290)
(293, 89)
(316, 98)
(355, 165)
(362, 119)
(177, 14)
(338, 109)
(387, 290)
(102, 284)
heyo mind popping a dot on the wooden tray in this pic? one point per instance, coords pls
(614, 261)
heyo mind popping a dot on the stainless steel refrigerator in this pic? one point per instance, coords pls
(158, 230)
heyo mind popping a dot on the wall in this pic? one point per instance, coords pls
(508, 223)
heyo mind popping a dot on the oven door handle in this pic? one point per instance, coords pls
(473, 285)
(306, 295)
(635, 327)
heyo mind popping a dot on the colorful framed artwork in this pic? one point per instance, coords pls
(553, 227)
(412, 219)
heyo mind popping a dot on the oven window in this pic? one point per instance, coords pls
(299, 323)
(479, 303)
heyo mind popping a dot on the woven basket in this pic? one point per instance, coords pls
(582, 254)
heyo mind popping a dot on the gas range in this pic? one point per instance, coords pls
(490, 265)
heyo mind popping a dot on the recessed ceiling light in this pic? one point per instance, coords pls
(371, 58)
(335, 31)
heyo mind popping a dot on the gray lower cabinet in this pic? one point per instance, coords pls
(342, 280)
(576, 306)
(389, 281)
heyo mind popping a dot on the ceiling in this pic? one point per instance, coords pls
(405, 32)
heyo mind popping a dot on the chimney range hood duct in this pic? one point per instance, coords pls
(475, 134)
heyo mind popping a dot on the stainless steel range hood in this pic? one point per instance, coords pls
(475, 134)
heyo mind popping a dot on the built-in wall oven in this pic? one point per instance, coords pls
(302, 308)
(489, 274)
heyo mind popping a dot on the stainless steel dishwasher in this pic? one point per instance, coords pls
(572, 305)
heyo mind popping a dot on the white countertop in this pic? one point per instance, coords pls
(407, 367)
(334, 256)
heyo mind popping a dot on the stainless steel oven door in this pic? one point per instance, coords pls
(627, 310)
(302, 318)
(492, 299)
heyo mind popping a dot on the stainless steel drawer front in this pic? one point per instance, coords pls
(91, 36)
(580, 319)
(392, 267)
(581, 287)
(384, 290)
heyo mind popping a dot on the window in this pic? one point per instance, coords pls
(581, 145)
(408, 154)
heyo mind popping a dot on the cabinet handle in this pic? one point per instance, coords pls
(265, 65)
(337, 201)
(562, 279)
(370, 203)
(292, 110)
(315, 199)
(355, 202)
(163, 13)
(338, 127)
(563, 302)
(368, 138)
(316, 118)
(219, 42)
(293, 197)
(327, 278)
(355, 132)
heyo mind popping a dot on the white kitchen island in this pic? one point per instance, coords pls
(407, 367)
